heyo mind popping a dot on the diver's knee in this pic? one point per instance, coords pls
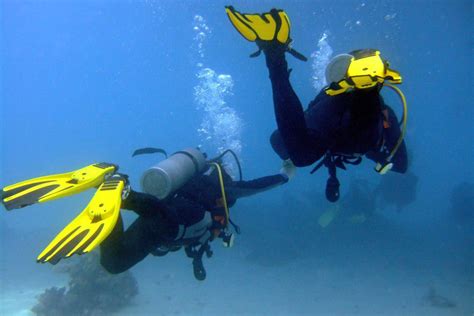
(301, 160)
(298, 162)
(113, 266)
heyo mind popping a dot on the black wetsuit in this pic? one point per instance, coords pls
(184, 219)
(349, 124)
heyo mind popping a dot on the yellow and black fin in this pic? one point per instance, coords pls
(91, 226)
(55, 186)
(272, 27)
(267, 27)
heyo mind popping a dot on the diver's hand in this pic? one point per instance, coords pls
(288, 168)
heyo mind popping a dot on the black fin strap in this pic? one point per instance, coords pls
(297, 54)
(290, 50)
(256, 54)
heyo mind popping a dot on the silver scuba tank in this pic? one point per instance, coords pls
(170, 174)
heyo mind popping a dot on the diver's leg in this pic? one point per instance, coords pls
(278, 146)
(288, 109)
(122, 250)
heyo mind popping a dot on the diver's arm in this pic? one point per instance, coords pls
(238, 189)
(303, 148)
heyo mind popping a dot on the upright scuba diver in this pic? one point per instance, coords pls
(347, 120)
(185, 204)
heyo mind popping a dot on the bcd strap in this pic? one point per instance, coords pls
(337, 160)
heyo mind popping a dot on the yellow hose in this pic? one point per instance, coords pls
(404, 122)
(224, 199)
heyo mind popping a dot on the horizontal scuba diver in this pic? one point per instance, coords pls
(185, 203)
(347, 120)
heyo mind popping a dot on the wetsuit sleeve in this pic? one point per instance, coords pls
(238, 189)
(303, 147)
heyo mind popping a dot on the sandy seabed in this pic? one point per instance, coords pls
(399, 274)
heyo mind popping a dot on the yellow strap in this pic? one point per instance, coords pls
(404, 122)
(224, 199)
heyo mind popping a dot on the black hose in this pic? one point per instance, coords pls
(216, 159)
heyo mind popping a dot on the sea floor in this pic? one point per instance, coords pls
(371, 271)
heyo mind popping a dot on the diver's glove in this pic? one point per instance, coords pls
(122, 177)
(270, 30)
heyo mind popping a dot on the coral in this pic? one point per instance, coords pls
(91, 291)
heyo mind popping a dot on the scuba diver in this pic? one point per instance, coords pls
(347, 120)
(396, 190)
(185, 204)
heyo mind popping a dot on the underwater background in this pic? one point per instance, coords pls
(91, 81)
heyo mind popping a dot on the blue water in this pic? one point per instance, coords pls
(91, 81)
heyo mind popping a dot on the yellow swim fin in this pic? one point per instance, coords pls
(269, 26)
(327, 217)
(91, 226)
(265, 29)
(55, 186)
